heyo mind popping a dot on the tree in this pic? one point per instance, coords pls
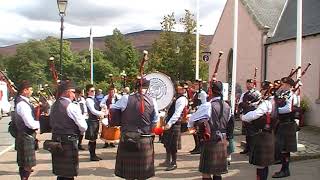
(121, 53)
(174, 53)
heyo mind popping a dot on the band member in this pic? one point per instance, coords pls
(248, 102)
(135, 155)
(93, 122)
(111, 98)
(262, 122)
(67, 124)
(172, 135)
(24, 119)
(286, 140)
(79, 99)
(211, 120)
(201, 95)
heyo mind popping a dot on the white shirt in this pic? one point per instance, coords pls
(202, 96)
(74, 112)
(288, 107)
(181, 103)
(123, 102)
(80, 101)
(103, 102)
(90, 105)
(24, 110)
(264, 107)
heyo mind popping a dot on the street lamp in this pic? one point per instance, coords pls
(62, 6)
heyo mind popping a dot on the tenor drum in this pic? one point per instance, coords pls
(161, 88)
(110, 133)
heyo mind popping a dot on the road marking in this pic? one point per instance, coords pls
(7, 149)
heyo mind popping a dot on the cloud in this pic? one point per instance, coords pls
(34, 19)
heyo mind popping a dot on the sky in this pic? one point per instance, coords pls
(22, 20)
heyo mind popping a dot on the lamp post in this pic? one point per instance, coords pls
(62, 6)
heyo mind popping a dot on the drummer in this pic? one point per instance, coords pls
(111, 98)
(95, 113)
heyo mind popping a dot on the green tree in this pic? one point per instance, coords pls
(121, 53)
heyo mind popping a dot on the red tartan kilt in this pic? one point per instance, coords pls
(66, 164)
(138, 164)
(262, 149)
(213, 158)
(286, 139)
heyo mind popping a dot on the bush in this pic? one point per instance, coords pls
(305, 104)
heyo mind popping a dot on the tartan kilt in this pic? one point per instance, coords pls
(171, 138)
(286, 139)
(262, 149)
(138, 164)
(213, 158)
(93, 130)
(66, 164)
(231, 146)
(25, 146)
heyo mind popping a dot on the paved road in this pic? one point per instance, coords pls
(187, 165)
(6, 140)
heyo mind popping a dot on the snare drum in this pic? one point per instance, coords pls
(110, 134)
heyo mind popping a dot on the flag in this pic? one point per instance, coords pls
(91, 41)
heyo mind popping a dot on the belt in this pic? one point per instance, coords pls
(147, 135)
(65, 137)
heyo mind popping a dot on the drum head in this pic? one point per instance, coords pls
(161, 88)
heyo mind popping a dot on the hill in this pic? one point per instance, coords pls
(141, 40)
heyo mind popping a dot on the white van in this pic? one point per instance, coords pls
(5, 106)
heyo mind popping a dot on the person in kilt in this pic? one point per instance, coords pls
(201, 95)
(95, 113)
(262, 121)
(84, 111)
(137, 114)
(248, 101)
(286, 140)
(110, 98)
(24, 119)
(211, 121)
(172, 131)
(67, 124)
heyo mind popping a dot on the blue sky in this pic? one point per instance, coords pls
(36, 19)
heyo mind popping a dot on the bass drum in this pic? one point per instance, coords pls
(161, 88)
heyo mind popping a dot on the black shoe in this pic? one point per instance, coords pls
(196, 151)
(94, 158)
(106, 145)
(112, 145)
(281, 174)
(164, 164)
(171, 167)
(246, 151)
(81, 148)
(99, 157)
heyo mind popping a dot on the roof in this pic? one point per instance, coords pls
(265, 12)
(287, 28)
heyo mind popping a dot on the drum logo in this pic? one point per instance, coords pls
(157, 88)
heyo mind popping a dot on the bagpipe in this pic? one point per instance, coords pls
(250, 98)
(203, 127)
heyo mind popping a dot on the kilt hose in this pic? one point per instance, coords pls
(25, 146)
(213, 158)
(138, 164)
(286, 139)
(172, 137)
(66, 164)
(93, 130)
(262, 149)
(231, 146)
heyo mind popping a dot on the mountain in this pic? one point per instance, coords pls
(140, 40)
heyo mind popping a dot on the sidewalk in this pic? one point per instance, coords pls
(309, 136)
